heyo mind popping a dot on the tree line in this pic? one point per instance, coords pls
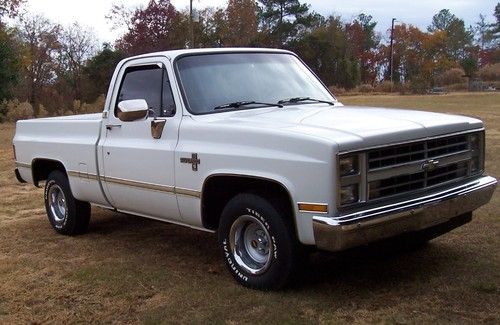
(48, 69)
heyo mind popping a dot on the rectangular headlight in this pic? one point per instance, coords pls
(477, 149)
(475, 141)
(348, 165)
(349, 194)
(475, 165)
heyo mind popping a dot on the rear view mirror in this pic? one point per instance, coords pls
(132, 110)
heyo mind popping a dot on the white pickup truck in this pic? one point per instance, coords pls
(250, 144)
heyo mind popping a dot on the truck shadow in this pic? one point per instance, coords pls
(380, 267)
(369, 268)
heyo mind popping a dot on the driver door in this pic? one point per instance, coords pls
(138, 169)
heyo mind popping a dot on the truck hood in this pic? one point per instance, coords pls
(352, 127)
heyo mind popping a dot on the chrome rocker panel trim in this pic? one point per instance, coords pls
(362, 227)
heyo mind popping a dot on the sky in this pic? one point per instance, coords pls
(417, 12)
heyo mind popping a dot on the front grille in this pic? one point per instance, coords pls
(411, 182)
(400, 169)
(447, 173)
(411, 152)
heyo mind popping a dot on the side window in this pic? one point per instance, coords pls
(168, 104)
(148, 82)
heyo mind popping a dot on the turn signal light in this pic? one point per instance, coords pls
(312, 207)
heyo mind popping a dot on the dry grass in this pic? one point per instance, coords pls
(134, 270)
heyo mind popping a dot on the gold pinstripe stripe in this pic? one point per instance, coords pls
(143, 185)
(148, 186)
(20, 164)
(187, 192)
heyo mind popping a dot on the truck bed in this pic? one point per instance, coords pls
(69, 140)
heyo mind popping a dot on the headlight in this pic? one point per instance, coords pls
(475, 165)
(349, 194)
(348, 165)
(349, 171)
(476, 141)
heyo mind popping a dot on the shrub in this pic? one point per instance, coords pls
(96, 107)
(3, 111)
(419, 85)
(458, 87)
(42, 112)
(490, 72)
(19, 111)
(384, 87)
(337, 90)
(365, 88)
(403, 88)
(452, 76)
(77, 107)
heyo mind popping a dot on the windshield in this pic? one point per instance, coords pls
(213, 80)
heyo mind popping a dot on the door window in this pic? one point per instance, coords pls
(150, 83)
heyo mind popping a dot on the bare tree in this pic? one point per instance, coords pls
(41, 44)
(77, 45)
(9, 7)
(120, 17)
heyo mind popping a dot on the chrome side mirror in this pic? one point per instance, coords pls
(132, 110)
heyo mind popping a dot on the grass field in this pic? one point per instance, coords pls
(133, 270)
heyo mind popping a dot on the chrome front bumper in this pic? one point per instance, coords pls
(369, 225)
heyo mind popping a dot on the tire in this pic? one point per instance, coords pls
(67, 215)
(257, 243)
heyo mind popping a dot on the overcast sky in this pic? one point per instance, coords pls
(416, 12)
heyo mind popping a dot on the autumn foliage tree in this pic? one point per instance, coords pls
(60, 69)
(158, 27)
(411, 53)
(241, 23)
(363, 43)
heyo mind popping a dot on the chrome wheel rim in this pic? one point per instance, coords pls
(57, 203)
(250, 244)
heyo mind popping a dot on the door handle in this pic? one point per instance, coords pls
(111, 126)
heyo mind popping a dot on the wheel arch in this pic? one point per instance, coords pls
(218, 189)
(42, 167)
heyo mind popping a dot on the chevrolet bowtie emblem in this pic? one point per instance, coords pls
(430, 164)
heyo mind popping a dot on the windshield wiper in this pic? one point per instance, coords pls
(244, 103)
(304, 99)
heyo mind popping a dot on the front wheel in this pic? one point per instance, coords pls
(67, 215)
(257, 243)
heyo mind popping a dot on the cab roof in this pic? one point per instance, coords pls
(172, 54)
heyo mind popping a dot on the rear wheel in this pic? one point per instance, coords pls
(257, 243)
(67, 215)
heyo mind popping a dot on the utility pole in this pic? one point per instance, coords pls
(391, 63)
(191, 33)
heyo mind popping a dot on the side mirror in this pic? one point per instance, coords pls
(132, 110)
